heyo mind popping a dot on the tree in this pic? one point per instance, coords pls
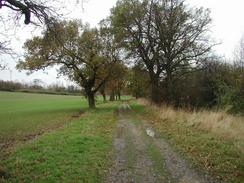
(239, 54)
(103, 92)
(79, 52)
(2, 66)
(167, 36)
(138, 81)
(117, 81)
(4, 49)
(112, 51)
(39, 13)
(33, 11)
(37, 84)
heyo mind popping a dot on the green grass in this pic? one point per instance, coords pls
(22, 114)
(78, 152)
(204, 150)
(156, 158)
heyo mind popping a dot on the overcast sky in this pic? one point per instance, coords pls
(227, 28)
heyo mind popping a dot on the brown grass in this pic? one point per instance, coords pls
(220, 123)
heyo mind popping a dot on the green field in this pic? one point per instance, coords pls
(76, 149)
(24, 114)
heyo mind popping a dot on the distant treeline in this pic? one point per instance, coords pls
(35, 87)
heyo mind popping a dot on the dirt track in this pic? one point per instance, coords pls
(142, 156)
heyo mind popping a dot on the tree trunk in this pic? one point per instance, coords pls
(119, 95)
(91, 100)
(102, 91)
(136, 95)
(169, 89)
(104, 97)
(112, 96)
(155, 90)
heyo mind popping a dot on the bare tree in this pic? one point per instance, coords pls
(33, 11)
(4, 47)
(42, 13)
(39, 13)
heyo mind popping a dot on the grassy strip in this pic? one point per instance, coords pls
(205, 150)
(157, 159)
(80, 152)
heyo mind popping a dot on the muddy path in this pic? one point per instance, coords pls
(140, 155)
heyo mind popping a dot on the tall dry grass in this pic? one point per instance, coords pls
(220, 123)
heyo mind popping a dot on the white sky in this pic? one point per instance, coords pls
(227, 28)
